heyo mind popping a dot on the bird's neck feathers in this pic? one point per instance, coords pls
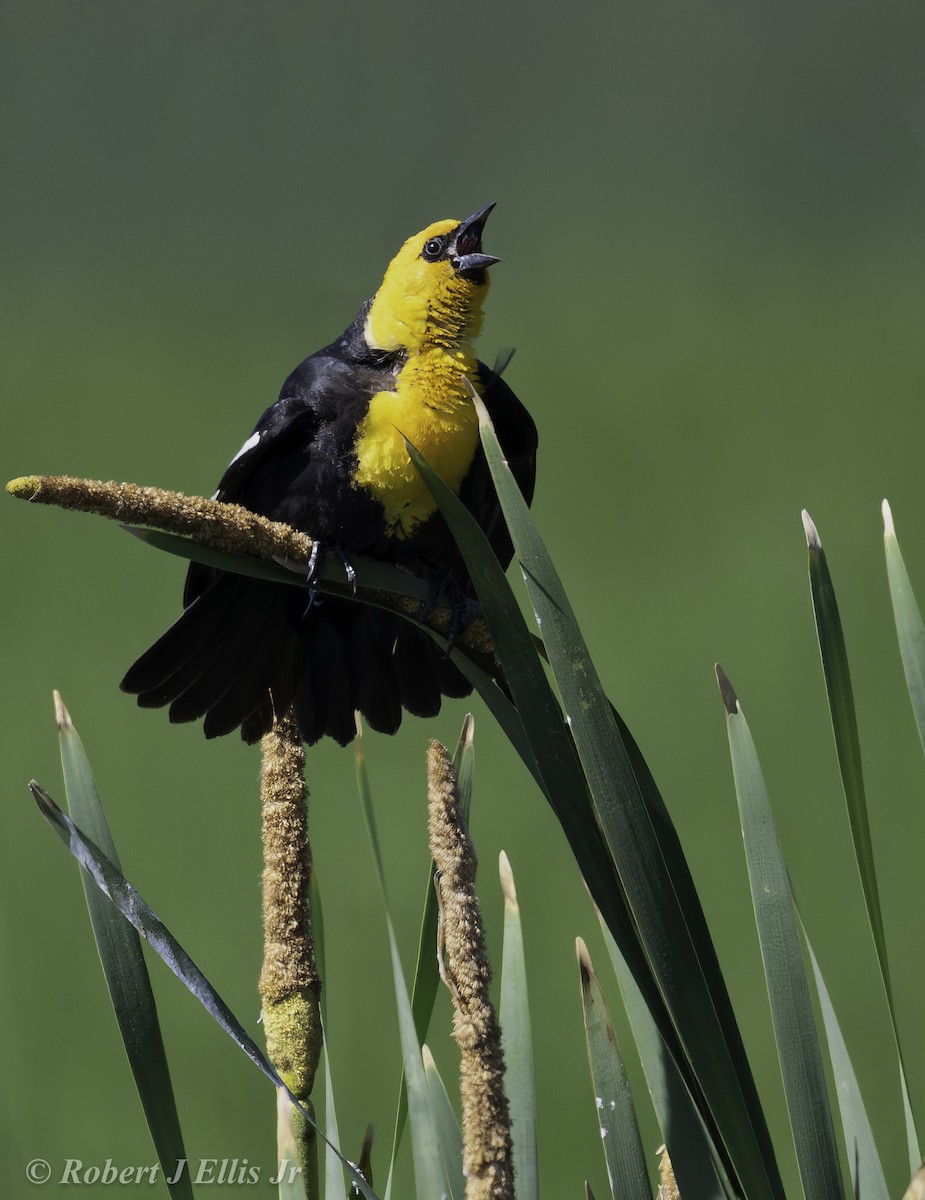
(426, 306)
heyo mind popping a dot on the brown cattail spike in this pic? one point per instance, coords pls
(487, 1158)
(229, 528)
(667, 1185)
(213, 523)
(289, 985)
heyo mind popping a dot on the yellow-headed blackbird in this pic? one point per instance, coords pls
(329, 458)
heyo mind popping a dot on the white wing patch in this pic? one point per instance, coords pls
(248, 445)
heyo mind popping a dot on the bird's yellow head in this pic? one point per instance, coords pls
(433, 290)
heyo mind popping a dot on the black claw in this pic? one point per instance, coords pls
(313, 576)
(316, 559)
(348, 567)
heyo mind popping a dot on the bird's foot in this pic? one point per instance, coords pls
(349, 571)
(316, 559)
(313, 575)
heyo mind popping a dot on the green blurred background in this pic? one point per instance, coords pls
(710, 219)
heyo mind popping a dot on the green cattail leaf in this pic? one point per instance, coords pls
(615, 1111)
(677, 974)
(534, 721)
(113, 884)
(795, 1032)
(365, 1161)
(909, 625)
(696, 1164)
(429, 1174)
(317, 919)
(371, 573)
(448, 1130)
(531, 717)
(911, 632)
(123, 964)
(464, 765)
(867, 1177)
(517, 1042)
(426, 972)
(294, 1183)
(848, 748)
(529, 686)
(504, 712)
(845, 727)
(334, 1187)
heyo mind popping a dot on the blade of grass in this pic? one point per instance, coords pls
(795, 1032)
(697, 1165)
(334, 1187)
(504, 712)
(910, 630)
(867, 1177)
(844, 725)
(695, 996)
(426, 972)
(370, 572)
(429, 1175)
(909, 625)
(448, 1129)
(693, 1150)
(848, 748)
(517, 1042)
(537, 707)
(536, 718)
(112, 883)
(616, 1113)
(365, 1160)
(292, 1184)
(124, 969)
(549, 751)
(464, 765)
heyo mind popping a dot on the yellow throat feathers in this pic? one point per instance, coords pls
(434, 315)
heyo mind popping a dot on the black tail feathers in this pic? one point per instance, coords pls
(244, 651)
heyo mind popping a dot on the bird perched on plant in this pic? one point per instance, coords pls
(329, 458)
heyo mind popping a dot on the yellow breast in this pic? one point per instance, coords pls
(432, 409)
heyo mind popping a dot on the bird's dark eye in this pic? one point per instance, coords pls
(433, 249)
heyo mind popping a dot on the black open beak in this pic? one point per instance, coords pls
(466, 254)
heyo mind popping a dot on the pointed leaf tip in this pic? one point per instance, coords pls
(889, 530)
(427, 1058)
(584, 959)
(726, 690)
(40, 796)
(482, 413)
(507, 880)
(916, 1188)
(62, 716)
(813, 541)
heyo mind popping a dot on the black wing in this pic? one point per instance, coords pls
(290, 418)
